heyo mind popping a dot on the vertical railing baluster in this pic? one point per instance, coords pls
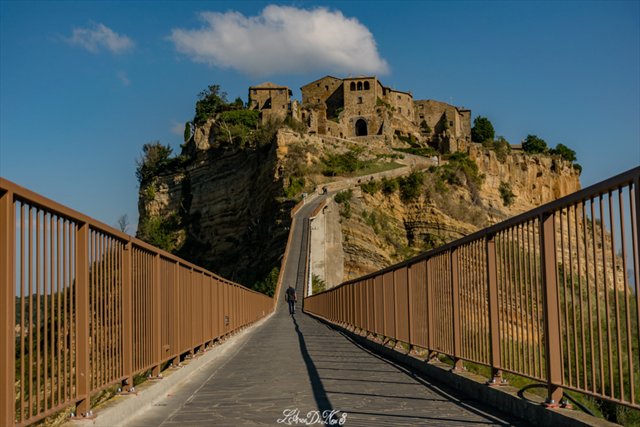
(634, 196)
(156, 317)
(127, 316)
(494, 320)
(430, 305)
(83, 386)
(409, 302)
(8, 316)
(552, 316)
(455, 310)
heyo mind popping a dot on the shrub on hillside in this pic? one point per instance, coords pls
(506, 194)
(534, 145)
(159, 231)
(389, 186)
(155, 157)
(343, 196)
(370, 187)
(565, 152)
(343, 164)
(411, 186)
(268, 285)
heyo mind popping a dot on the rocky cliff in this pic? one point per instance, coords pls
(223, 207)
(226, 205)
(384, 227)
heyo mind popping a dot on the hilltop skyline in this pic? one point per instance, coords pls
(84, 85)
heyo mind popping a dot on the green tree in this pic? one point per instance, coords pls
(160, 231)
(210, 101)
(534, 145)
(268, 285)
(565, 152)
(238, 103)
(482, 130)
(154, 157)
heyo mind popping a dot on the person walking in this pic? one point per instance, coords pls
(291, 297)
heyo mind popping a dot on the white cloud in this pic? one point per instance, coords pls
(282, 39)
(124, 79)
(98, 37)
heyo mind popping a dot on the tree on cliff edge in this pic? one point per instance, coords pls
(482, 130)
(210, 101)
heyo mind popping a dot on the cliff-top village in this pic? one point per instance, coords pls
(356, 107)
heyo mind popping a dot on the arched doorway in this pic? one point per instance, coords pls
(361, 127)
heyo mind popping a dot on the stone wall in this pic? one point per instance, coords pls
(450, 126)
(271, 100)
(402, 102)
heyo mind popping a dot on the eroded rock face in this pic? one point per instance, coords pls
(383, 230)
(232, 218)
(535, 180)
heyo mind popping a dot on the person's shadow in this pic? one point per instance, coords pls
(319, 393)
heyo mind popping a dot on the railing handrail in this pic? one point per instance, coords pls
(40, 201)
(599, 189)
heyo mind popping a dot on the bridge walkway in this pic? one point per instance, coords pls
(298, 363)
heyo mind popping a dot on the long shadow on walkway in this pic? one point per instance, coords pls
(319, 393)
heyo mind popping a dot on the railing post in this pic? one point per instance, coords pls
(8, 316)
(429, 293)
(395, 307)
(494, 321)
(455, 301)
(551, 315)
(409, 300)
(155, 312)
(83, 369)
(177, 309)
(127, 315)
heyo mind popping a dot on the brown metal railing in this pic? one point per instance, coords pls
(85, 307)
(552, 294)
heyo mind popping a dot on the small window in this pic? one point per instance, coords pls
(400, 110)
(318, 84)
(326, 88)
(359, 85)
(366, 85)
(359, 100)
(398, 96)
(450, 123)
(422, 116)
(352, 86)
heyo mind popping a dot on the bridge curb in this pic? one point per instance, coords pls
(474, 386)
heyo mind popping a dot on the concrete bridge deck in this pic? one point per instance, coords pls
(297, 363)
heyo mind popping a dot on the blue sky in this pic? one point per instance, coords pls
(83, 85)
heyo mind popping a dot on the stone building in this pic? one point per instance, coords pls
(447, 127)
(356, 107)
(273, 101)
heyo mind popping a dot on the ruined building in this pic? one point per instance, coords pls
(357, 107)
